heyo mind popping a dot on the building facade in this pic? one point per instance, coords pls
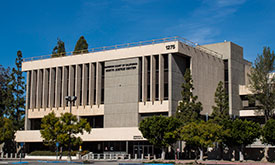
(118, 86)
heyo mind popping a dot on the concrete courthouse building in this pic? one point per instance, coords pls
(118, 86)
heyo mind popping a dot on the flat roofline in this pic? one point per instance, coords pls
(133, 44)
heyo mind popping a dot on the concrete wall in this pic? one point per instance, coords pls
(237, 71)
(207, 70)
(179, 64)
(121, 93)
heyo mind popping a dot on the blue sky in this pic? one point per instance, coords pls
(34, 26)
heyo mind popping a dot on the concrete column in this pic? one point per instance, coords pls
(33, 89)
(58, 86)
(170, 83)
(39, 89)
(52, 87)
(98, 83)
(127, 146)
(64, 86)
(91, 84)
(71, 80)
(84, 83)
(77, 84)
(153, 79)
(27, 121)
(144, 79)
(161, 78)
(45, 88)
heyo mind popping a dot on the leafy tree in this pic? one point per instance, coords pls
(241, 133)
(268, 135)
(200, 135)
(6, 109)
(221, 109)
(159, 131)
(18, 85)
(69, 128)
(4, 75)
(268, 132)
(6, 130)
(189, 108)
(81, 46)
(49, 129)
(59, 49)
(261, 82)
(64, 130)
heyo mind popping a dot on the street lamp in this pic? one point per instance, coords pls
(70, 99)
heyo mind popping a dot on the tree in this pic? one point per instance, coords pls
(189, 108)
(262, 81)
(268, 132)
(18, 85)
(81, 46)
(241, 133)
(6, 130)
(59, 49)
(64, 130)
(159, 131)
(69, 128)
(49, 129)
(221, 109)
(6, 108)
(4, 75)
(200, 135)
(268, 135)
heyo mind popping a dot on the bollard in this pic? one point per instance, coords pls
(122, 157)
(2, 154)
(98, 156)
(110, 156)
(129, 157)
(155, 157)
(135, 156)
(104, 156)
(93, 156)
(116, 156)
(142, 156)
(7, 155)
(148, 156)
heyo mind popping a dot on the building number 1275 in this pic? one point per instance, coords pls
(169, 47)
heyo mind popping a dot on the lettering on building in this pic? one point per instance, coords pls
(170, 47)
(137, 137)
(121, 67)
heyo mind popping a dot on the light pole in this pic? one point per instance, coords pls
(70, 99)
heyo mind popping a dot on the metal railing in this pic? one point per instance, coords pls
(127, 45)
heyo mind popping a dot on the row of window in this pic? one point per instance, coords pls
(48, 87)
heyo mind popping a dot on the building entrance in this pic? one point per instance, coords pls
(143, 149)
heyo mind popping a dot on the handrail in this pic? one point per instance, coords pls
(133, 44)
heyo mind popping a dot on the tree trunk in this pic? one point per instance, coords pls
(264, 159)
(241, 154)
(233, 155)
(163, 153)
(221, 151)
(201, 154)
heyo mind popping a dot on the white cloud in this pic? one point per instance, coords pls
(203, 25)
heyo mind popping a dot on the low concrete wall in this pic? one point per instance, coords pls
(48, 157)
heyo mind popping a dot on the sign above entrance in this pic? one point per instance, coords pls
(137, 137)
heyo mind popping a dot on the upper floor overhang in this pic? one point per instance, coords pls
(122, 51)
